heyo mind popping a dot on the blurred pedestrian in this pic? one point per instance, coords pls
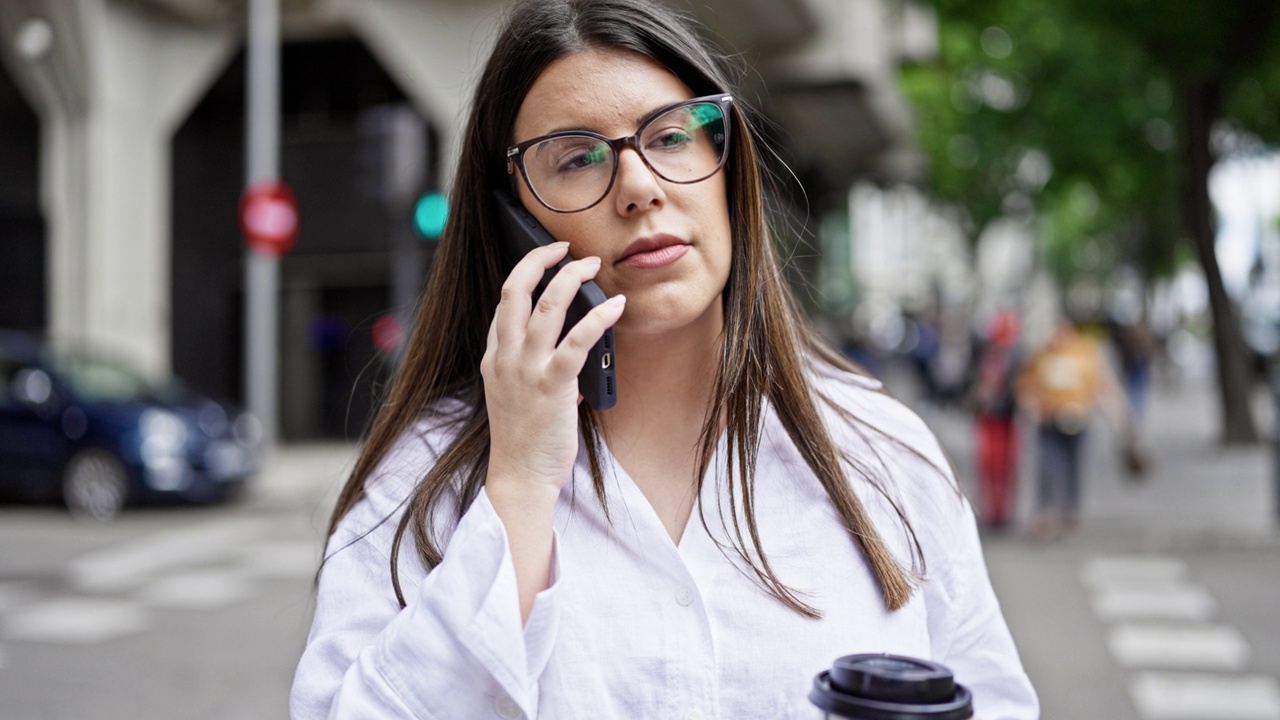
(995, 412)
(923, 349)
(1136, 346)
(1059, 387)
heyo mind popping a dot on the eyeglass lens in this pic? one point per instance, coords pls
(572, 172)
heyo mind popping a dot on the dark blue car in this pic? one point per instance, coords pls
(99, 437)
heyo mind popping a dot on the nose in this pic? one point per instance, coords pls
(636, 187)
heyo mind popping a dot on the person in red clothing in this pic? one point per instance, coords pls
(995, 412)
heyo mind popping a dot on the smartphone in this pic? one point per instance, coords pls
(522, 233)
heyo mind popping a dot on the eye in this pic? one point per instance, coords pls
(583, 157)
(669, 139)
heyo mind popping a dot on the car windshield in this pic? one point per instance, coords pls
(98, 380)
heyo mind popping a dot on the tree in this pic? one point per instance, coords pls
(1215, 53)
(1120, 97)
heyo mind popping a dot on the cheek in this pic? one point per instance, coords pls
(584, 235)
(583, 241)
(716, 220)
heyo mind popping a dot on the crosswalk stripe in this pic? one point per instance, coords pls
(1193, 647)
(127, 566)
(1147, 571)
(1174, 602)
(197, 590)
(73, 621)
(1195, 696)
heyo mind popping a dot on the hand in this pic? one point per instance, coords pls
(530, 380)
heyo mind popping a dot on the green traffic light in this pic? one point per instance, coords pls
(430, 214)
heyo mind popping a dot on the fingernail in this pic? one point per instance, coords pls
(618, 300)
(593, 260)
(559, 244)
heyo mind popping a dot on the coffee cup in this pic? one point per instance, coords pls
(890, 687)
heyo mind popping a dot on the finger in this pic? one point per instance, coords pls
(490, 348)
(516, 302)
(569, 356)
(548, 317)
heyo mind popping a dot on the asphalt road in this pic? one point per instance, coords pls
(177, 613)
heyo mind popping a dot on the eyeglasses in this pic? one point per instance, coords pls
(573, 170)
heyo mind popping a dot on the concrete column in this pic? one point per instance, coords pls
(116, 82)
(434, 50)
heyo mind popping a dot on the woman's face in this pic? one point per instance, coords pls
(677, 282)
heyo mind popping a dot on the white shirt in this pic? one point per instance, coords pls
(635, 626)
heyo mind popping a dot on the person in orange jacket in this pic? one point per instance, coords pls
(1059, 387)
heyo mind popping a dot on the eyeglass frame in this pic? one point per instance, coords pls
(515, 153)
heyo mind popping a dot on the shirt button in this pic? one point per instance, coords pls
(507, 708)
(685, 598)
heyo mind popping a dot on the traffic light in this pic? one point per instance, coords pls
(429, 215)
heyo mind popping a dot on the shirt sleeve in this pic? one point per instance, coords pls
(456, 650)
(969, 632)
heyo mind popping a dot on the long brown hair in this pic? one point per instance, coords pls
(766, 346)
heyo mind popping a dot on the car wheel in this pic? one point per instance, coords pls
(95, 484)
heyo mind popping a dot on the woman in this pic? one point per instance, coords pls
(749, 510)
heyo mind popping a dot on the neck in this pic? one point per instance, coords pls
(664, 385)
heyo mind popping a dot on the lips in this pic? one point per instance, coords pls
(654, 251)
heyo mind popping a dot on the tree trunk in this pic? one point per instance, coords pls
(1201, 101)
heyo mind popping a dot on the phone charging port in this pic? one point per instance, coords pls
(606, 360)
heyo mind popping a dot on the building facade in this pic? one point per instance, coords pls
(123, 160)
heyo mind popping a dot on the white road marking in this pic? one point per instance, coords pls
(1194, 696)
(128, 566)
(1173, 602)
(197, 590)
(1133, 571)
(285, 559)
(1192, 647)
(73, 621)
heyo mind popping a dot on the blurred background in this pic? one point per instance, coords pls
(960, 175)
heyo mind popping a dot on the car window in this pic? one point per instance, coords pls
(98, 380)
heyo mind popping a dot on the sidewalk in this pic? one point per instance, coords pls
(1197, 492)
(304, 478)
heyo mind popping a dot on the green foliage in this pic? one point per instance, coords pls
(1091, 85)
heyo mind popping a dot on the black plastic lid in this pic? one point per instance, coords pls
(890, 687)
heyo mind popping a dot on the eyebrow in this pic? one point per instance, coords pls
(639, 119)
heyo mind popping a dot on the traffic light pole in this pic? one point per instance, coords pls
(262, 163)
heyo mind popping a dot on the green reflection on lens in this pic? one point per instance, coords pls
(706, 113)
(595, 155)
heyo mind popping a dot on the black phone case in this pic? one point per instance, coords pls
(522, 233)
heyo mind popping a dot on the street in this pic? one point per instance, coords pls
(169, 612)
(1160, 607)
